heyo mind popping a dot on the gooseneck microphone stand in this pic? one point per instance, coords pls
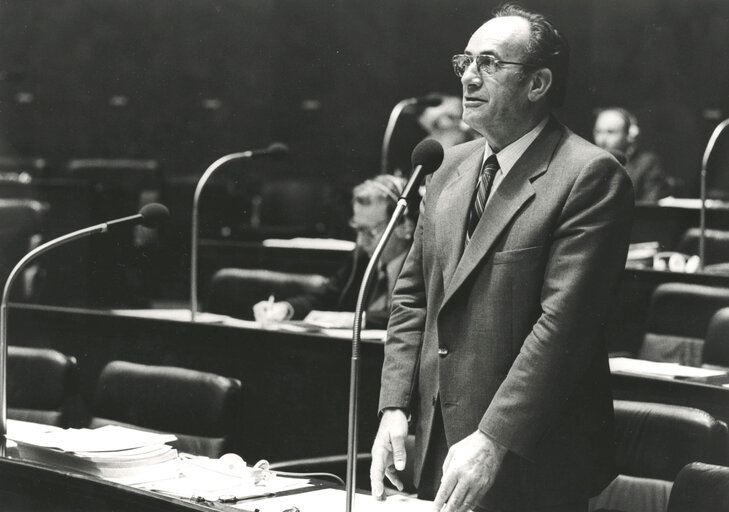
(364, 291)
(149, 216)
(195, 219)
(274, 150)
(391, 122)
(704, 165)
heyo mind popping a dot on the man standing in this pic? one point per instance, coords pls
(616, 129)
(495, 338)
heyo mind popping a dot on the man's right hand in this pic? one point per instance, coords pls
(266, 311)
(388, 452)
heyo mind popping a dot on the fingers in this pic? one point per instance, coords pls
(447, 484)
(377, 469)
(398, 451)
(393, 477)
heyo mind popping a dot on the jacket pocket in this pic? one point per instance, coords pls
(517, 254)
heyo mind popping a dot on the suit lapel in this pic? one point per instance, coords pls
(452, 210)
(513, 192)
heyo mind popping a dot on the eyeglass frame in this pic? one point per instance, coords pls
(479, 66)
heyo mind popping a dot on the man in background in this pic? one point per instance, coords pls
(616, 129)
(373, 203)
(495, 345)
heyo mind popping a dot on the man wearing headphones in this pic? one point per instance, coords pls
(616, 129)
(373, 203)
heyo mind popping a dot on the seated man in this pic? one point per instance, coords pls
(373, 203)
(616, 129)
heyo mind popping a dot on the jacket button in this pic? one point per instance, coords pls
(442, 351)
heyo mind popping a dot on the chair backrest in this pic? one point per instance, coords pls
(677, 321)
(42, 386)
(200, 408)
(716, 347)
(653, 442)
(717, 244)
(234, 291)
(700, 487)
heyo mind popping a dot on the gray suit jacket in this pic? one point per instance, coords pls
(507, 333)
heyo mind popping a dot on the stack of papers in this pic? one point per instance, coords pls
(112, 452)
(331, 244)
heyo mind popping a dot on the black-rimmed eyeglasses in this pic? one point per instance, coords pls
(485, 64)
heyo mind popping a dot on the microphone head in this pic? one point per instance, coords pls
(277, 150)
(152, 214)
(431, 100)
(429, 154)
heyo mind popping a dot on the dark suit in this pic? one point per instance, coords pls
(341, 291)
(516, 316)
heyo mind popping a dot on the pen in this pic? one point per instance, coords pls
(234, 499)
(271, 300)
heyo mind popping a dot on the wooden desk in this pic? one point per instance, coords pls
(295, 386)
(26, 486)
(665, 222)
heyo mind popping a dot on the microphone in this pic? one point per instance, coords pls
(426, 158)
(704, 166)
(150, 216)
(276, 150)
(431, 100)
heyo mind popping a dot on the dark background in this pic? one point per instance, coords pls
(183, 82)
(186, 81)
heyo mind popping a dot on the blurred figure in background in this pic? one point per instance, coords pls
(616, 129)
(444, 124)
(373, 203)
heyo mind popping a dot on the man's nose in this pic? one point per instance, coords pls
(471, 78)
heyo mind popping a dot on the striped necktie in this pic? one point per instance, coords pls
(483, 187)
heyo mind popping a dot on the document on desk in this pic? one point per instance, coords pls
(332, 244)
(334, 500)
(641, 367)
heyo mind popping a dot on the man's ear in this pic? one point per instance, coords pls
(541, 81)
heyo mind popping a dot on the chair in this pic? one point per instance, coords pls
(716, 346)
(677, 321)
(234, 291)
(716, 248)
(653, 443)
(21, 226)
(200, 408)
(42, 386)
(700, 487)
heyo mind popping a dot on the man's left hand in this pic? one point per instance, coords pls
(468, 472)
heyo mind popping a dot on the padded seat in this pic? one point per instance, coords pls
(234, 291)
(653, 443)
(700, 487)
(42, 386)
(677, 322)
(716, 347)
(200, 408)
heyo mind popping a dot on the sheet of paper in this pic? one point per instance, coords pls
(180, 314)
(104, 439)
(641, 367)
(334, 500)
(311, 243)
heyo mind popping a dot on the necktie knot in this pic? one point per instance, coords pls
(481, 195)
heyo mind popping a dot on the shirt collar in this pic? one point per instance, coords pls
(510, 154)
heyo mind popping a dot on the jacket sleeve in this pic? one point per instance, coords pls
(585, 260)
(405, 328)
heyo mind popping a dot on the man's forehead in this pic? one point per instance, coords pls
(500, 35)
(610, 118)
